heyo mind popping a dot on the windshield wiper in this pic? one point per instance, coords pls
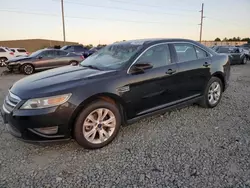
(91, 66)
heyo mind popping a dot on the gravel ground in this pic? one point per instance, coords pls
(191, 147)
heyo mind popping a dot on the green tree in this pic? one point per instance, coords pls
(217, 39)
(225, 39)
(89, 46)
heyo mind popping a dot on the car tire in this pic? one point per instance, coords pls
(73, 63)
(213, 93)
(92, 122)
(27, 69)
(244, 60)
(2, 61)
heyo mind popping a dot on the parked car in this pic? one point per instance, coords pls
(117, 85)
(94, 49)
(78, 49)
(43, 59)
(237, 55)
(19, 52)
(5, 54)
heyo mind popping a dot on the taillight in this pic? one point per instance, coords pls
(82, 57)
(27, 53)
(11, 53)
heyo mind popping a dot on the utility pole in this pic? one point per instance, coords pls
(63, 22)
(202, 17)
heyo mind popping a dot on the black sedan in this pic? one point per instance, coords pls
(237, 55)
(43, 59)
(117, 85)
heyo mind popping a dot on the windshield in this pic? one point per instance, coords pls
(64, 47)
(34, 54)
(113, 56)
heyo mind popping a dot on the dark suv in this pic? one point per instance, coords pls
(117, 85)
(78, 49)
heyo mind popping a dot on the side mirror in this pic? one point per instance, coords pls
(39, 57)
(140, 68)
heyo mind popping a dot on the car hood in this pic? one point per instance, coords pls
(51, 82)
(22, 58)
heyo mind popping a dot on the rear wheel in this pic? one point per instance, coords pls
(2, 61)
(73, 63)
(97, 125)
(27, 69)
(244, 60)
(213, 93)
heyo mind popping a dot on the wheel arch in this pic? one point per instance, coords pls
(108, 97)
(220, 75)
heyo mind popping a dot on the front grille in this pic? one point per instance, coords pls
(11, 101)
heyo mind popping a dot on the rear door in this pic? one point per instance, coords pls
(62, 59)
(194, 69)
(236, 54)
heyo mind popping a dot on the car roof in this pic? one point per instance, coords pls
(18, 48)
(156, 40)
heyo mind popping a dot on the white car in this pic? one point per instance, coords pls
(5, 55)
(19, 51)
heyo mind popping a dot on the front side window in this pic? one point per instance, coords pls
(157, 56)
(114, 56)
(49, 54)
(185, 52)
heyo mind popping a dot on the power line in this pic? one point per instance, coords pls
(147, 5)
(126, 9)
(92, 18)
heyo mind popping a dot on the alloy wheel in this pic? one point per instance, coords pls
(214, 93)
(99, 125)
(28, 69)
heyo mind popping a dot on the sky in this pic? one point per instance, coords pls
(107, 21)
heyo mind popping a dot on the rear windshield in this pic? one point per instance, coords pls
(2, 50)
(21, 50)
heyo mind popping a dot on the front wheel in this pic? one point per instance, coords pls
(2, 61)
(27, 69)
(213, 93)
(97, 125)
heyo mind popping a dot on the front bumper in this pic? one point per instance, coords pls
(15, 67)
(23, 123)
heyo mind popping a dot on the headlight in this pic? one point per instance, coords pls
(13, 63)
(46, 102)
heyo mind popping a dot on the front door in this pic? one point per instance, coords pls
(46, 59)
(152, 89)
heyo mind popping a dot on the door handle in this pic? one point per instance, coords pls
(170, 71)
(206, 64)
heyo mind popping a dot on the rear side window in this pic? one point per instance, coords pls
(21, 50)
(62, 53)
(2, 50)
(223, 50)
(201, 54)
(13, 50)
(185, 52)
(78, 48)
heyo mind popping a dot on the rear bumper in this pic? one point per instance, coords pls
(23, 124)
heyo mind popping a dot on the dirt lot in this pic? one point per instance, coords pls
(191, 147)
